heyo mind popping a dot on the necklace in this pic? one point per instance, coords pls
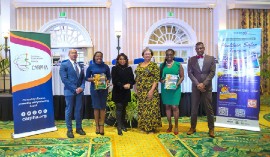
(169, 64)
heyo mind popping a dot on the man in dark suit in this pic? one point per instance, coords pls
(72, 75)
(201, 70)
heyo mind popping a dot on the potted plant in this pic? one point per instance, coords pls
(131, 110)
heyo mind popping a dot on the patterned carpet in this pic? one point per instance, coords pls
(134, 143)
(228, 143)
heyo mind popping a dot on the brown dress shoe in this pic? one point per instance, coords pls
(211, 133)
(191, 131)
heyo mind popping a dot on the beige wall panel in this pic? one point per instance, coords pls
(234, 19)
(95, 20)
(139, 20)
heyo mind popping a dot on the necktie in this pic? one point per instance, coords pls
(76, 69)
(199, 56)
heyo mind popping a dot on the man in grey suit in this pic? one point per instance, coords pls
(72, 76)
(201, 70)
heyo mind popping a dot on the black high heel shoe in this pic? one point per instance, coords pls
(101, 126)
(124, 129)
(119, 131)
(97, 130)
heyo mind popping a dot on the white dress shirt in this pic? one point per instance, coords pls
(77, 64)
(200, 61)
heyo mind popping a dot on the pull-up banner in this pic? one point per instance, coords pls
(239, 79)
(31, 83)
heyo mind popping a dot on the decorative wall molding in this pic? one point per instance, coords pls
(248, 4)
(61, 3)
(171, 3)
(231, 4)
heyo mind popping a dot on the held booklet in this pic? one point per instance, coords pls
(171, 81)
(100, 81)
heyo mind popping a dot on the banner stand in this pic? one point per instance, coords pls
(238, 92)
(227, 123)
(33, 132)
(32, 97)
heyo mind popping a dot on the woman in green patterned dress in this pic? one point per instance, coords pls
(171, 92)
(146, 87)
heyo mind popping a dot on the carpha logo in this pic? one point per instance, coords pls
(22, 62)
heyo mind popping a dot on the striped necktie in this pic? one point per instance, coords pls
(76, 69)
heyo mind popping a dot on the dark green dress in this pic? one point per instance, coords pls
(149, 117)
(170, 96)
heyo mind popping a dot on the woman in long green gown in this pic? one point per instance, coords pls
(171, 97)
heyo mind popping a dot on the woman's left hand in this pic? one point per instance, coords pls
(127, 86)
(150, 95)
(108, 83)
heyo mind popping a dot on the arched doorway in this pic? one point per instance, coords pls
(67, 34)
(170, 33)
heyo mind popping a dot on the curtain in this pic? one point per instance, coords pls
(260, 18)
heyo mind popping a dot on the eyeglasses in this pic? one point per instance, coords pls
(169, 54)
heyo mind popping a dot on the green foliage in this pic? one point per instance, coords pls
(4, 66)
(131, 109)
(265, 100)
(4, 63)
(265, 73)
(111, 105)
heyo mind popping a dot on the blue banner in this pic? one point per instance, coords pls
(239, 79)
(31, 75)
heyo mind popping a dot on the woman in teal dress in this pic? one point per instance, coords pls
(171, 92)
(147, 77)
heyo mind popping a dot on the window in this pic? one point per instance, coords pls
(170, 33)
(159, 55)
(65, 35)
(80, 56)
(60, 54)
